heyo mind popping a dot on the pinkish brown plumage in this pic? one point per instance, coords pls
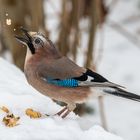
(61, 79)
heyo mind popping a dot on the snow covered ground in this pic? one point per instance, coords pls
(17, 95)
(120, 64)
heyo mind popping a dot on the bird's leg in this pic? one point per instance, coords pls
(66, 110)
(66, 113)
(61, 111)
(70, 107)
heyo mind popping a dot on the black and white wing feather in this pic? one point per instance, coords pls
(93, 79)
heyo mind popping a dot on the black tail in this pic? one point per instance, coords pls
(122, 93)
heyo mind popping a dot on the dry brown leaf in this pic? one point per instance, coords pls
(32, 114)
(10, 120)
(5, 109)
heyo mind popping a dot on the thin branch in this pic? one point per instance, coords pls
(102, 12)
(128, 35)
(101, 45)
(76, 17)
(113, 4)
(92, 30)
(102, 112)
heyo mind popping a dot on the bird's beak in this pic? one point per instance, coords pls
(26, 39)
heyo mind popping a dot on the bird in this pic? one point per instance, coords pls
(59, 78)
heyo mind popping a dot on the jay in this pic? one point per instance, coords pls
(59, 78)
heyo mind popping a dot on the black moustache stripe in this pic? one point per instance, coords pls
(31, 47)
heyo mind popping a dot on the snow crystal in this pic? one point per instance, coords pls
(8, 21)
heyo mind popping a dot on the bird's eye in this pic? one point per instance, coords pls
(37, 41)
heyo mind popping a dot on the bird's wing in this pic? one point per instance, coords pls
(94, 79)
(64, 72)
(62, 68)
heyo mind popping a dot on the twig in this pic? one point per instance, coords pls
(101, 98)
(102, 12)
(77, 4)
(102, 112)
(113, 4)
(132, 19)
(92, 30)
(120, 29)
(101, 46)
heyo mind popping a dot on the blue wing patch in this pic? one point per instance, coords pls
(87, 79)
(64, 83)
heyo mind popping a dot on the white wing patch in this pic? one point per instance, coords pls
(90, 78)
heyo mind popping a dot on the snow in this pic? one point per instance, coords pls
(123, 68)
(17, 95)
(120, 64)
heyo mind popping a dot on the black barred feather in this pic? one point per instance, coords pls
(95, 77)
(122, 93)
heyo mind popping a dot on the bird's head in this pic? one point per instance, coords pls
(36, 42)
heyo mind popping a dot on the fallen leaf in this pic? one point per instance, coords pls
(5, 109)
(10, 120)
(32, 114)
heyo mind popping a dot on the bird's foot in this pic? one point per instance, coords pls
(64, 112)
(61, 111)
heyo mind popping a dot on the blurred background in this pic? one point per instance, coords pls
(103, 35)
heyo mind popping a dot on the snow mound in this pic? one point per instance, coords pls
(17, 95)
